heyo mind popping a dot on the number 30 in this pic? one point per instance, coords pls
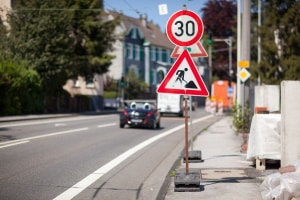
(188, 28)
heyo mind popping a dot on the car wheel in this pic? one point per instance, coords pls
(158, 124)
(153, 125)
(122, 125)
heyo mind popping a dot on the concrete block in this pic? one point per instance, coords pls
(290, 118)
(267, 96)
(194, 157)
(187, 182)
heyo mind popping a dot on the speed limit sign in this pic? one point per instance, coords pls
(184, 28)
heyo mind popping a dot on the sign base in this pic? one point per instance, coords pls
(187, 182)
(194, 157)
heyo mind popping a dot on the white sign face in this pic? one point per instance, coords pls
(163, 9)
(184, 28)
(244, 74)
(182, 77)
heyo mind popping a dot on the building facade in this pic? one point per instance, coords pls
(141, 47)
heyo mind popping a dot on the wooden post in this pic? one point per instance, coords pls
(186, 136)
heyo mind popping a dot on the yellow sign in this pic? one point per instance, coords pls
(244, 64)
(244, 75)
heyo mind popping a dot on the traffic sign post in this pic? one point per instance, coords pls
(185, 29)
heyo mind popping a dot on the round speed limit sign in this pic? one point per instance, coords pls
(184, 28)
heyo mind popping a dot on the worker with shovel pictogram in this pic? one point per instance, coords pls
(180, 78)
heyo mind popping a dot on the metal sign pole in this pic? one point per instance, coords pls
(186, 136)
(191, 123)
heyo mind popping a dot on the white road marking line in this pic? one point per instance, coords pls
(46, 135)
(93, 177)
(51, 121)
(59, 124)
(13, 144)
(202, 118)
(106, 125)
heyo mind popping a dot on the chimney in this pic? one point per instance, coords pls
(144, 20)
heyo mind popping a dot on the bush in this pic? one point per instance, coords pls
(20, 88)
(242, 118)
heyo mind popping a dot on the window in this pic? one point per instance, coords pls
(160, 76)
(164, 55)
(152, 54)
(159, 53)
(137, 52)
(156, 54)
(89, 83)
(168, 56)
(129, 51)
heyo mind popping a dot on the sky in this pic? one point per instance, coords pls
(135, 8)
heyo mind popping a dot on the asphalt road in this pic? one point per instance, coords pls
(89, 157)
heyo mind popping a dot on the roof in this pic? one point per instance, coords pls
(152, 32)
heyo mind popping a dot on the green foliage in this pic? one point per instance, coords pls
(134, 86)
(110, 94)
(219, 18)
(242, 118)
(93, 37)
(280, 43)
(40, 35)
(110, 88)
(173, 173)
(20, 89)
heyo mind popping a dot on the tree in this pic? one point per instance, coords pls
(20, 88)
(93, 35)
(134, 86)
(280, 36)
(110, 88)
(61, 39)
(40, 35)
(219, 18)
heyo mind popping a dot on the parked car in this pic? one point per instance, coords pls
(140, 114)
(111, 104)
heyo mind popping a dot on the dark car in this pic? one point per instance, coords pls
(140, 114)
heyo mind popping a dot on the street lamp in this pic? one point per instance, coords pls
(229, 43)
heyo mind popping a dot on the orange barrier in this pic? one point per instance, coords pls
(221, 90)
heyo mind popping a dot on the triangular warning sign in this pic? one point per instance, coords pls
(195, 50)
(183, 78)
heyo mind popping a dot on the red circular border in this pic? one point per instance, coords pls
(198, 20)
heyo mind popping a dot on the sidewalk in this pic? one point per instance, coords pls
(225, 173)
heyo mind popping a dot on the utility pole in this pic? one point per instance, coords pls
(210, 41)
(259, 39)
(245, 48)
(239, 36)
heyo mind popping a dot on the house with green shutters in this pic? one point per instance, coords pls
(141, 47)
